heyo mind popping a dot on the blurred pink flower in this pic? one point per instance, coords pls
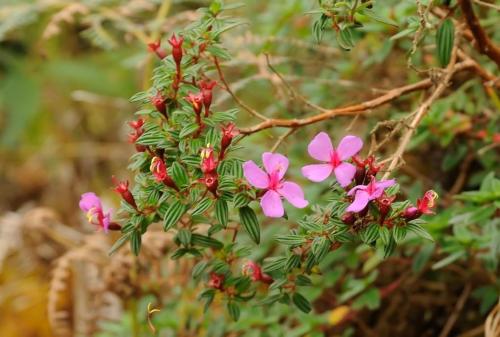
(321, 148)
(91, 204)
(363, 194)
(275, 165)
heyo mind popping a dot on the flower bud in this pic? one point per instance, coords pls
(411, 213)
(196, 101)
(208, 163)
(160, 103)
(121, 187)
(216, 281)
(206, 92)
(348, 218)
(154, 47)
(176, 44)
(254, 271)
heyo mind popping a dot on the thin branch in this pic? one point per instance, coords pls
(484, 44)
(236, 98)
(281, 139)
(487, 4)
(456, 311)
(351, 110)
(422, 111)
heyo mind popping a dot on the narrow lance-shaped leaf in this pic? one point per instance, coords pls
(444, 41)
(250, 223)
(173, 214)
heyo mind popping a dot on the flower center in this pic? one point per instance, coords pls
(334, 159)
(274, 180)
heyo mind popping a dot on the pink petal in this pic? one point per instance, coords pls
(317, 172)
(272, 205)
(385, 183)
(349, 146)
(321, 147)
(361, 199)
(357, 188)
(381, 186)
(255, 175)
(275, 162)
(344, 173)
(88, 201)
(293, 193)
(105, 222)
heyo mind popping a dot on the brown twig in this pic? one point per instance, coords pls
(351, 110)
(484, 44)
(281, 139)
(422, 111)
(236, 98)
(456, 311)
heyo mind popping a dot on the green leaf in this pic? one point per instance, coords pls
(399, 233)
(250, 223)
(320, 247)
(389, 248)
(119, 243)
(206, 241)
(301, 302)
(303, 281)
(221, 212)
(198, 269)
(173, 214)
(444, 41)
(370, 233)
(184, 236)
(202, 206)
(293, 261)
(135, 242)
(241, 200)
(274, 263)
(344, 38)
(179, 174)
(290, 239)
(234, 310)
(449, 259)
(422, 257)
(371, 14)
(188, 129)
(418, 230)
(369, 299)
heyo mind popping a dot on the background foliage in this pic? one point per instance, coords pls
(67, 72)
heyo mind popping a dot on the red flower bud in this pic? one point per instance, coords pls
(154, 47)
(206, 92)
(121, 187)
(176, 44)
(134, 135)
(196, 101)
(137, 125)
(159, 170)
(228, 133)
(384, 203)
(160, 103)
(427, 202)
(208, 163)
(496, 138)
(216, 281)
(348, 218)
(254, 271)
(411, 213)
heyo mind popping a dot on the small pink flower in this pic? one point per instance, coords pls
(363, 194)
(91, 204)
(321, 148)
(275, 165)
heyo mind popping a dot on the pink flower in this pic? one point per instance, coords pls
(275, 165)
(321, 148)
(363, 194)
(254, 271)
(91, 204)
